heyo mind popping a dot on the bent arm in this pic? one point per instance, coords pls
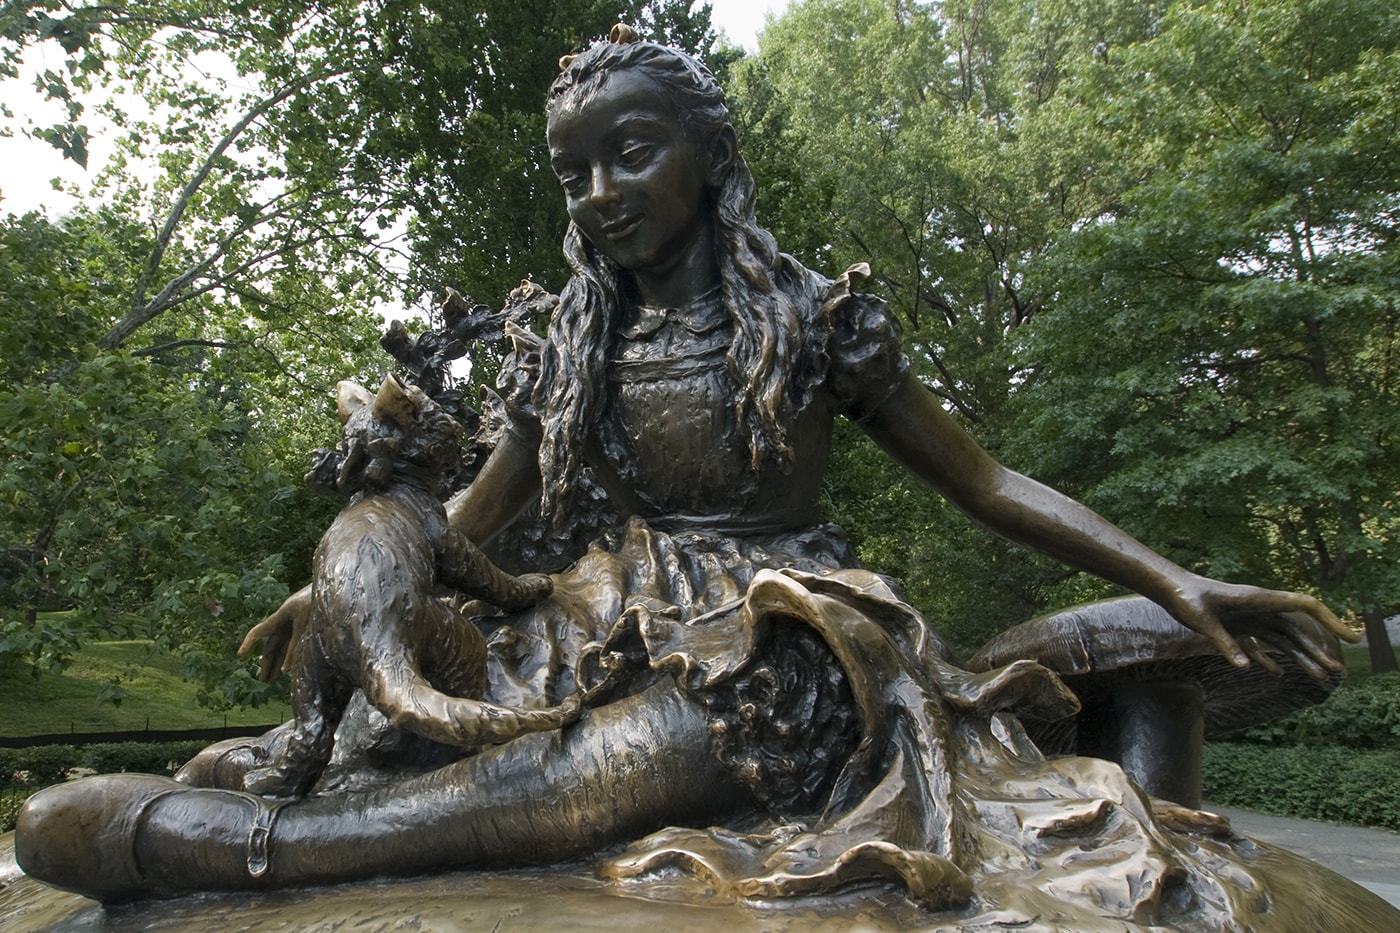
(507, 484)
(915, 430)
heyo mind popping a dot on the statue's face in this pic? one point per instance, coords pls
(634, 182)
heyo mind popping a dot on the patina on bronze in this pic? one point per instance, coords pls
(1153, 691)
(766, 722)
(377, 622)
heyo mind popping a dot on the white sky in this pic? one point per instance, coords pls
(27, 165)
(741, 20)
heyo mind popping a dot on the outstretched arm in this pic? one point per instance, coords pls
(914, 429)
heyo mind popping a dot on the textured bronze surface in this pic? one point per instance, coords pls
(376, 623)
(771, 738)
(1152, 690)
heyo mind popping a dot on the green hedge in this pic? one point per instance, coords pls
(1325, 783)
(42, 765)
(24, 770)
(1339, 760)
(1362, 713)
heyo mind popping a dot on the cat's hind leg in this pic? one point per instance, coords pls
(318, 706)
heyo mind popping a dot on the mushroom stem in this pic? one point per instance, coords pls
(1154, 729)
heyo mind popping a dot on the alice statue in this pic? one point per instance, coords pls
(760, 712)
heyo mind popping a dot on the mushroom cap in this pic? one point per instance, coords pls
(1098, 645)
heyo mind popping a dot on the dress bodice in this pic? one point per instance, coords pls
(670, 446)
(670, 443)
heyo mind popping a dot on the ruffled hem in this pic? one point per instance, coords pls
(944, 796)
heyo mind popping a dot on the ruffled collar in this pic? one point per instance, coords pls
(700, 316)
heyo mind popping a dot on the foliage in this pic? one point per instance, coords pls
(1363, 714)
(38, 766)
(24, 769)
(1145, 253)
(153, 695)
(136, 485)
(138, 757)
(1244, 417)
(1324, 783)
(172, 348)
(923, 138)
(307, 135)
(1339, 760)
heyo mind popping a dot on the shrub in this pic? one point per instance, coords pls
(10, 802)
(23, 770)
(43, 764)
(1360, 714)
(1325, 783)
(142, 757)
(9, 766)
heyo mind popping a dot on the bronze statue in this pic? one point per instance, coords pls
(743, 676)
(376, 622)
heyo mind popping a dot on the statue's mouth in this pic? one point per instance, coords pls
(617, 229)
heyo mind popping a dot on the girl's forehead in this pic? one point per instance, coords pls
(612, 95)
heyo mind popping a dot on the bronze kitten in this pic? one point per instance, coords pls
(378, 622)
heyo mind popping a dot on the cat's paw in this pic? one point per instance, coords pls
(276, 781)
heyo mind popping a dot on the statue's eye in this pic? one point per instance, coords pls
(635, 155)
(573, 182)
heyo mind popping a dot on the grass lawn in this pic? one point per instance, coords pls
(156, 697)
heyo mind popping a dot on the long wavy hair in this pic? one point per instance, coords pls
(572, 390)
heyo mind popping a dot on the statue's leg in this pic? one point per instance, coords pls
(623, 770)
(318, 705)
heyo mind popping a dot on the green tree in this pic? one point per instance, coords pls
(1144, 252)
(175, 347)
(140, 498)
(926, 139)
(1218, 368)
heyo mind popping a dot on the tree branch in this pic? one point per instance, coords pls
(143, 311)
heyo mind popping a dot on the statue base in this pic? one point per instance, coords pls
(569, 898)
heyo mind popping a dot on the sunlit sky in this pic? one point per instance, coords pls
(741, 20)
(27, 165)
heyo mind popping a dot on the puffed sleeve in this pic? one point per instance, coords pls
(866, 354)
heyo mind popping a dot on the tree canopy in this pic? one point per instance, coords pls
(169, 349)
(1145, 252)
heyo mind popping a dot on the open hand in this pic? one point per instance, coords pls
(1243, 622)
(278, 633)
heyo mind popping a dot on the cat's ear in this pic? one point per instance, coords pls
(393, 404)
(350, 397)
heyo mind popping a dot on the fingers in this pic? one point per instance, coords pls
(1259, 654)
(274, 657)
(264, 629)
(1226, 645)
(1314, 655)
(1318, 610)
(273, 632)
(1313, 669)
(1289, 623)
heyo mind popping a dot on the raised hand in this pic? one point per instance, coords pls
(278, 633)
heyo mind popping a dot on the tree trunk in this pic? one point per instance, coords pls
(1378, 642)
